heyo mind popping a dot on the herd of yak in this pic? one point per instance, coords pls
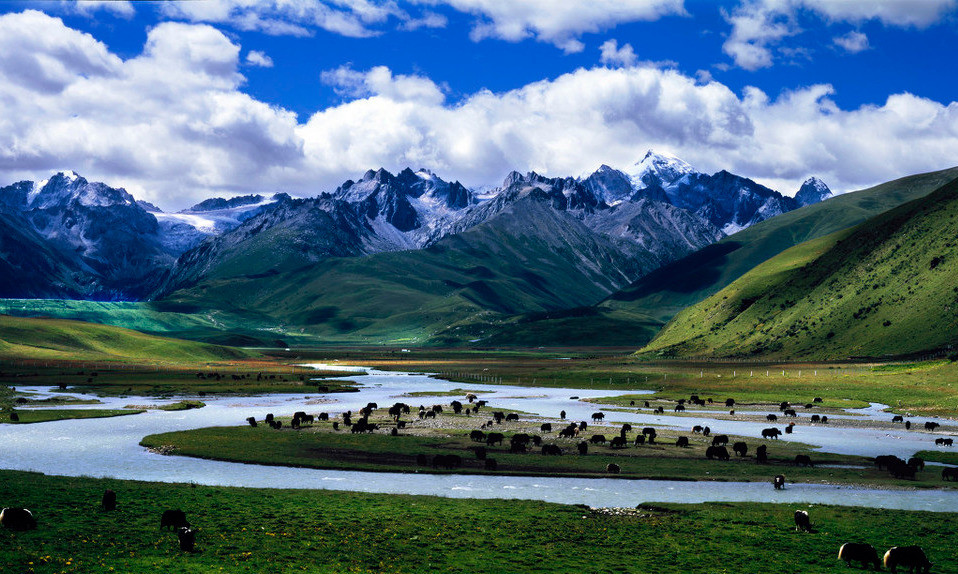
(522, 442)
(912, 557)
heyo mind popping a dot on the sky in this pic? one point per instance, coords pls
(181, 101)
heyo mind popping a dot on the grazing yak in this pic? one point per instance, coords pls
(898, 419)
(706, 431)
(480, 452)
(949, 473)
(911, 557)
(494, 438)
(740, 448)
(447, 461)
(816, 418)
(856, 552)
(917, 463)
(477, 436)
(512, 417)
(173, 519)
(761, 454)
(720, 440)
(498, 416)
(17, 519)
(771, 433)
(802, 522)
(771, 418)
(187, 538)
(583, 447)
(944, 442)
(729, 403)
(790, 413)
(108, 502)
(697, 428)
(639, 439)
(546, 427)
(779, 481)
(931, 426)
(682, 441)
(719, 452)
(569, 432)
(551, 450)
(817, 400)
(679, 408)
(619, 442)
(803, 459)
(597, 439)
(612, 468)
(598, 416)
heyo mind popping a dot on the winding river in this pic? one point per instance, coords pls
(109, 447)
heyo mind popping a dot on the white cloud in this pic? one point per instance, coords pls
(174, 126)
(89, 7)
(758, 26)
(557, 22)
(354, 18)
(258, 59)
(853, 42)
(614, 56)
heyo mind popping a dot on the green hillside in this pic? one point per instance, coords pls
(674, 287)
(458, 290)
(886, 287)
(59, 339)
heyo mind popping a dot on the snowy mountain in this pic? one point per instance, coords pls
(109, 245)
(812, 191)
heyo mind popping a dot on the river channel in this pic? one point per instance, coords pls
(109, 447)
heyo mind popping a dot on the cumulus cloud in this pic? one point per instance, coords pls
(170, 123)
(174, 126)
(759, 26)
(558, 23)
(853, 42)
(258, 59)
(612, 55)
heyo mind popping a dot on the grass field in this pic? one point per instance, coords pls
(47, 415)
(927, 388)
(279, 531)
(319, 446)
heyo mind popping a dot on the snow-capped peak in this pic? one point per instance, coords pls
(661, 169)
(813, 191)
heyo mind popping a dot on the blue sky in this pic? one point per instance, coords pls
(180, 101)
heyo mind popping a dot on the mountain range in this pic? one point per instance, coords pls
(97, 242)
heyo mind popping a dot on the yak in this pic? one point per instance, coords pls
(583, 447)
(618, 442)
(719, 452)
(682, 441)
(173, 519)
(949, 473)
(864, 553)
(612, 468)
(720, 440)
(779, 481)
(802, 522)
(17, 519)
(109, 500)
(911, 557)
(187, 537)
(771, 433)
(740, 448)
(803, 459)
(761, 454)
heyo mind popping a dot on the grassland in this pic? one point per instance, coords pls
(24, 339)
(666, 291)
(319, 446)
(279, 531)
(47, 415)
(885, 288)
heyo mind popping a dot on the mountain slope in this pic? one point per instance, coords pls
(885, 287)
(500, 267)
(666, 291)
(25, 338)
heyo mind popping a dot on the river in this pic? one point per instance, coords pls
(109, 447)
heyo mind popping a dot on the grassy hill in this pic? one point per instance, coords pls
(455, 291)
(885, 287)
(668, 290)
(60, 339)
